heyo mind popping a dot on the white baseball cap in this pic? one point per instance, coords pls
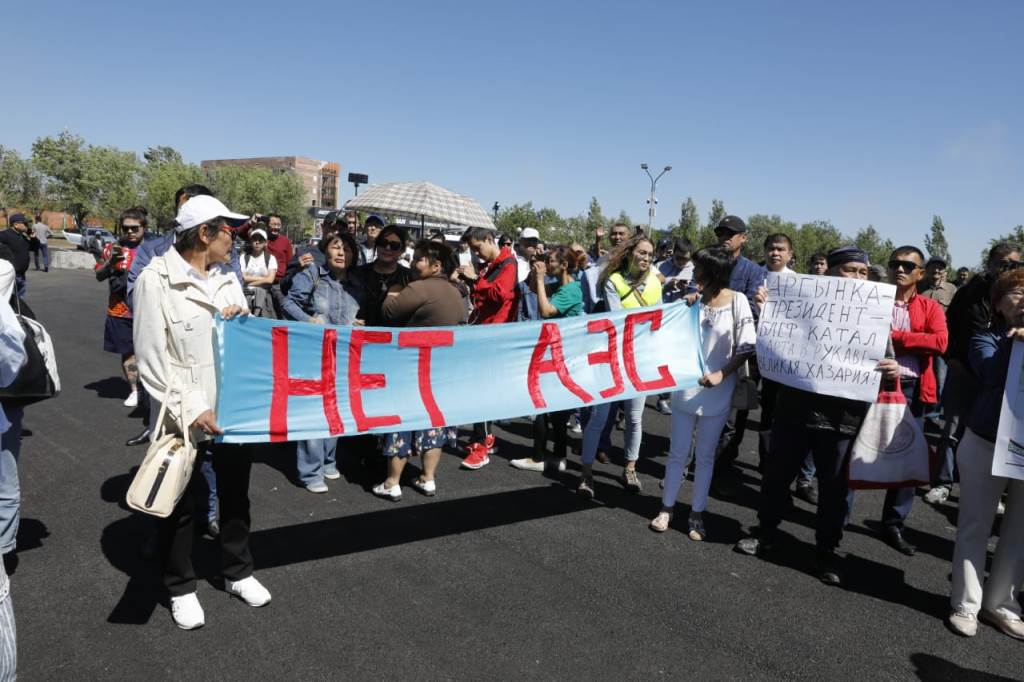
(529, 233)
(203, 209)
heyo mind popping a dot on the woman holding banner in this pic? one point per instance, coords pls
(995, 599)
(325, 294)
(628, 281)
(824, 425)
(727, 339)
(431, 300)
(176, 299)
(565, 300)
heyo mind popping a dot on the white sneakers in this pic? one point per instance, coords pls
(316, 487)
(963, 623)
(133, 401)
(428, 488)
(187, 612)
(249, 590)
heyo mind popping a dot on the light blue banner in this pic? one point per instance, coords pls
(297, 381)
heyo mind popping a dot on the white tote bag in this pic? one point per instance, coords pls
(890, 450)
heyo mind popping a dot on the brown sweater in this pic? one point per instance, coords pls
(431, 302)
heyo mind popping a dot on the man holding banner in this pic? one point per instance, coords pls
(805, 322)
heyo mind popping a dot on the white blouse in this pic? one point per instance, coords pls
(723, 332)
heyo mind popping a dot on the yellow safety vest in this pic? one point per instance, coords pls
(649, 293)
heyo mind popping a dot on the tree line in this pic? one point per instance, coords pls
(65, 173)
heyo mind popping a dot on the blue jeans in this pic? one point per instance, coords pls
(206, 466)
(604, 444)
(45, 250)
(316, 458)
(10, 488)
(600, 419)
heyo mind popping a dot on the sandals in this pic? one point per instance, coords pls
(659, 524)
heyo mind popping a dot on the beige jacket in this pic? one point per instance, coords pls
(173, 333)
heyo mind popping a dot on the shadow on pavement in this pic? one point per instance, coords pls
(930, 668)
(111, 387)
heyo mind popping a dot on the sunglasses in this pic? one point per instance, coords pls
(905, 265)
(131, 228)
(391, 244)
(1008, 265)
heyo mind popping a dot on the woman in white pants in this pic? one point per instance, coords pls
(995, 600)
(727, 340)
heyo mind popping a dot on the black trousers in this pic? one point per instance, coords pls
(480, 431)
(232, 464)
(789, 446)
(555, 423)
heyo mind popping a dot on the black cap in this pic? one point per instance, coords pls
(847, 254)
(732, 223)
(935, 260)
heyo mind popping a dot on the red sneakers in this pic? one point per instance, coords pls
(477, 457)
(489, 443)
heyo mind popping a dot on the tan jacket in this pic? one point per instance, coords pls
(173, 333)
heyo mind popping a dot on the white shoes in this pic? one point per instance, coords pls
(428, 488)
(530, 464)
(248, 590)
(316, 487)
(132, 400)
(394, 493)
(187, 612)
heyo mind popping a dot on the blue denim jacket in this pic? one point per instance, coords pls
(332, 301)
(989, 355)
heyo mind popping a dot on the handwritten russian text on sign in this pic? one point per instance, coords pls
(825, 334)
(1008, 459)
(295, 381)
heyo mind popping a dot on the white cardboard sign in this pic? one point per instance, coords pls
(1008, 459)
(825, 334)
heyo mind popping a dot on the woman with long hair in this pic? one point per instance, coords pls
(627, 281)
(727, 340)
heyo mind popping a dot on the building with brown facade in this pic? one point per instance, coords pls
(320, 178)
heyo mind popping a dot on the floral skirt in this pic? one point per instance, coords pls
(404, 443)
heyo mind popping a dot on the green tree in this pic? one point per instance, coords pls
(716, 213)
(20, 184)
(1014, 236)
(871, 241)
(759, 226)
(815, 236)
(689, 220)
(254, 189)
(160, 180)
(162, 154)
(624, 218)
(935, 242)
(595, 218)
(85, 179)
(512, 219)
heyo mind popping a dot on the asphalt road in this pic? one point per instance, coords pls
(503, 575)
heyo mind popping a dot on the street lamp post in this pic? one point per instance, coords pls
(652, 201)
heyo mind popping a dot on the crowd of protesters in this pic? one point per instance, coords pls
(948, 353)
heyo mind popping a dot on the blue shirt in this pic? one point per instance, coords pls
(153, 246)
(989, 356)
(333, 301)
(747, 276)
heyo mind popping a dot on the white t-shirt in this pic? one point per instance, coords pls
(721, 335)
(256, 266)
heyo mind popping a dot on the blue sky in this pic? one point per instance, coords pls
(866, 112)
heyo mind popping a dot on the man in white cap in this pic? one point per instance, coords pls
(529, 240)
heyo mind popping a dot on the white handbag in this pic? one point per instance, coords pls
(164, 473)
(890, 450)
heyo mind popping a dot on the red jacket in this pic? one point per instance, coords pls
(496, 289)
(280, 247)
(927, 338)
